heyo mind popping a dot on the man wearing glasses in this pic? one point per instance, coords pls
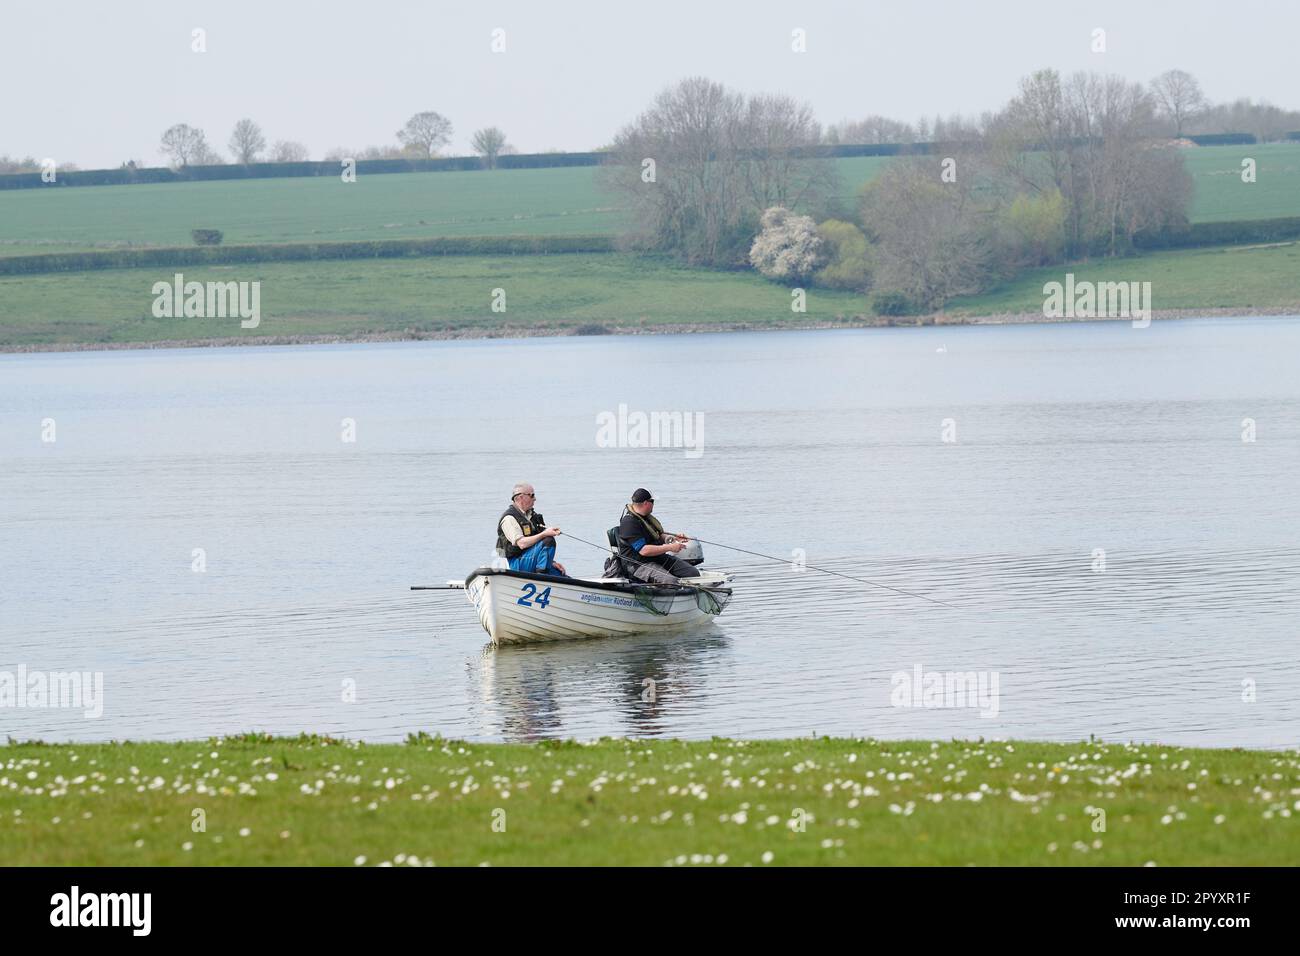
(645, 550)
(523, 536)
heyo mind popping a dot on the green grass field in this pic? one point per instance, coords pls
(1238, 277)
(562, 292)
(261, 801)
(424, 295)
(503, 202)
(1221, 195)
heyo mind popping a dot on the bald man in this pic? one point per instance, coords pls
(523, 536)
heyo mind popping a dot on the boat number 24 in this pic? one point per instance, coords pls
(531, 595)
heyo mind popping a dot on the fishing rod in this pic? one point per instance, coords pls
(757, 554)
(719, 544)
(875, 584)
(608, 550)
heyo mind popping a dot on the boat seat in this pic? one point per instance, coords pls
(612, 535)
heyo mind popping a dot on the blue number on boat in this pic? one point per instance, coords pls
(544, 598)
(529, 590)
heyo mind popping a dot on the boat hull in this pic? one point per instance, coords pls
(518, 608)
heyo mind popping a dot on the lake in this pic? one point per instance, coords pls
(1112, 512)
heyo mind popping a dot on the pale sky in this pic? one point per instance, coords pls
(94, 83)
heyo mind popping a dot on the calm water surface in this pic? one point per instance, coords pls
(1069, 439)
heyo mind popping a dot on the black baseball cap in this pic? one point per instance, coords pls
(641, 495)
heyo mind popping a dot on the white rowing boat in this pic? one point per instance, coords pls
(516, 607)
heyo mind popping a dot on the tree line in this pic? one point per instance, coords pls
(1070, 167)
(423, 135)
(1179, 108)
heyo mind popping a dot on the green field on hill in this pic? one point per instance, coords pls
(279, 802)
(562, 201)
(1220, 193)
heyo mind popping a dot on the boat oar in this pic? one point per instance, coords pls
(874, 584)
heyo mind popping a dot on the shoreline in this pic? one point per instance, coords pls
(587, 330)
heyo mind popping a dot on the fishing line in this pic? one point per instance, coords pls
(810, 567)
(608, 550)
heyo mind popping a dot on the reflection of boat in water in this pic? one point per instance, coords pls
(589, 688)
(517, 607)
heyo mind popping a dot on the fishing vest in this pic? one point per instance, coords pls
(654, 535)
(530, 525)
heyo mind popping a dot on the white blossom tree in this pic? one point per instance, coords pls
(788, 248)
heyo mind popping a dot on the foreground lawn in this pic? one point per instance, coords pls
(645, 802)
(1238, 277)
(556, 292)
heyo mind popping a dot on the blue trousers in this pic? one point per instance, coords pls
(539, 559)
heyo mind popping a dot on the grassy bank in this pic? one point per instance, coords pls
(646, 802)
(1237, 277)
(410, 297)
(562, 294)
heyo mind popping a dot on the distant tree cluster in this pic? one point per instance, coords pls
(421, 138)
(1179, 108)
(703, 163)
(13, 164)
(1069, 168)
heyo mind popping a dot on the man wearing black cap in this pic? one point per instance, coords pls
(645, 550)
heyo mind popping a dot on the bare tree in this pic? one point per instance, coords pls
(489, 143)
(184, 145)
(427, 131)
(1179, 97)
(676, 163)
(702, 163)
(247, 141)
(1090, 138)
(288, 151)
(776, 136)
(205, 155)
(933, 238)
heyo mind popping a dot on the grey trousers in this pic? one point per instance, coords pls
(655, 573)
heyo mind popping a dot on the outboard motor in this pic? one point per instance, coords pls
(693, 553)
